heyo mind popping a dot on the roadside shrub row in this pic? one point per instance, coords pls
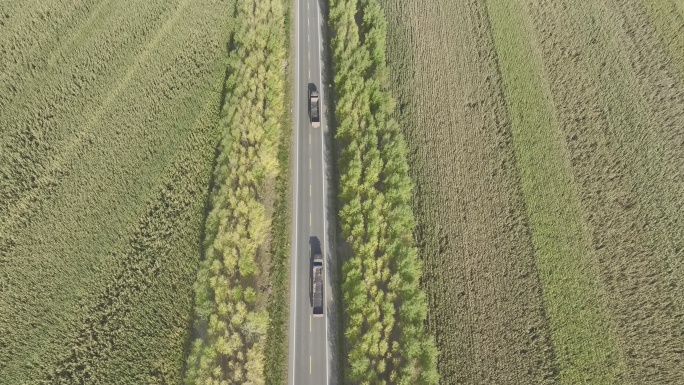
(231, 307)
(384, 305)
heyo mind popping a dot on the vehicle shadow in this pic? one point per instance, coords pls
(311, 87)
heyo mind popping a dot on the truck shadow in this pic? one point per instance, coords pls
(311, 87)
(314, 248)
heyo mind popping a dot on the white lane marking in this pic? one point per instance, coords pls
(309, 364)
(309, 163)
(325, 214)
(293, 328)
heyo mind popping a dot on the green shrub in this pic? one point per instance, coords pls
(231, 319)
(385, 308)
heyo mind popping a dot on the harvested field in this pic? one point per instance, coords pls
(108, 112)
(621, 109)
(546, 146)
(480, 276)
(581, 332)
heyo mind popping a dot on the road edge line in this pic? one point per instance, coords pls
(325, 192)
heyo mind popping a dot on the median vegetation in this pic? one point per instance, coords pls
(384, 306)
(232, 288)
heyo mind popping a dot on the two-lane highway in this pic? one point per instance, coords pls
(309, 344)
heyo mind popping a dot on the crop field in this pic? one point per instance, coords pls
(108, 131)
(546, 146)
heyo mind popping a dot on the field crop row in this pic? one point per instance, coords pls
(231, 290)
(109, 126)
(154, 270)
(384, 307)
(583, 338)
(619, 99)
(58, 110)
(545, 139)
(31, 32)
(485, 303)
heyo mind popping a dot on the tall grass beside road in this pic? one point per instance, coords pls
(278, 306)
(231, 292)
(384, 307)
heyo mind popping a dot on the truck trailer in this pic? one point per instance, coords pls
(314, 109)
(317, 285)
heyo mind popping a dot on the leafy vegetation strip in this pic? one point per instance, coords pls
(231, 312)
(278, 307)
(580, 331)
(385, 308)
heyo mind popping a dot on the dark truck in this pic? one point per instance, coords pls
(314, 109)
(317, 285)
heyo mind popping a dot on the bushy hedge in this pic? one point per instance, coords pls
(384, 305)
(231, 312)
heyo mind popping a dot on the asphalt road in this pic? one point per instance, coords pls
(309, 349)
